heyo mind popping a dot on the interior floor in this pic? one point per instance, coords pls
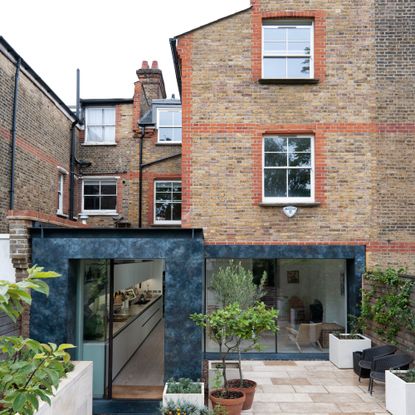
(146, 366)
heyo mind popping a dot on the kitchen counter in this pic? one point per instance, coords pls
(134, 312)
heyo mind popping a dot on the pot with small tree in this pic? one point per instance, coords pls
(229, 327)
(235, 284)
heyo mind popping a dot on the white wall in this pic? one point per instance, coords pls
(6, 267)
(148, 273)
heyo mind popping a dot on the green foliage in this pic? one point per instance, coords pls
(235, 284)
(183, 385)
(407, 375)
(230, 326)
(183, 408)
(13, 296)
(31, 369)
(386, 302)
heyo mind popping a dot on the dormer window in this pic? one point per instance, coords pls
(100, 125)
(169, 125)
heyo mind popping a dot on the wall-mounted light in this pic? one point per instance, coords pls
(289, 211)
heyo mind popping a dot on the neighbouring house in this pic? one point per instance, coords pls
(290, 151)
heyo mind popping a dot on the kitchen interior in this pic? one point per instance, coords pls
(137, 362)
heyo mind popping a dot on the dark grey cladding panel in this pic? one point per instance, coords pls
(53, 318)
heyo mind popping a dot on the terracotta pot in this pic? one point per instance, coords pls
(248, 390)
(232, 406)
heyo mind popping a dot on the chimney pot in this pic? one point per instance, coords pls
(155, 65)
(144, 65)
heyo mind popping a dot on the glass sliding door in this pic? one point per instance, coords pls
(310, 295)
(312, 303)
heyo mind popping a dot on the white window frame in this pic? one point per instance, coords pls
(291, 200)
(99, 143)
(61, 181)
(160, 110)
(289, 55)
(164, 222)
(102, 212)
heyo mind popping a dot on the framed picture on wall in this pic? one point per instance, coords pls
(293, 277)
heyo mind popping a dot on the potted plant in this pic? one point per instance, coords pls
(400, 391)
(31, 371)
(184, 390)
(186, 408)
(229, 327)
(248, 328)
(236, 284)
(342, 346)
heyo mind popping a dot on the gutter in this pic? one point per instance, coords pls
(13, 132)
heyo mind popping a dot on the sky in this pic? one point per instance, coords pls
(106, 39)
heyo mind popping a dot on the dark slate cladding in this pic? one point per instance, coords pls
(354, 254)
(53, 319)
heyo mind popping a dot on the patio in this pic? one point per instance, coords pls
(311, 387)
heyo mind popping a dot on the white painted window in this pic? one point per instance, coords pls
(167, 202)
(99, 195)
(287, 49)
(100, 125)
(169, 125)
(61, 181)
(288, 169)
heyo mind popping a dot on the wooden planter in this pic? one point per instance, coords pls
(341, 350)
(399, 395)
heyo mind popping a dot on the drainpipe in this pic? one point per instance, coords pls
(13, 132)
(73, 152)
(140, 174)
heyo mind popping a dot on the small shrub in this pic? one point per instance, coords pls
(183, 385)
(184, 408)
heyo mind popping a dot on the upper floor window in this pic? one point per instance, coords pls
(287, 49)
(100, 125)
(167, 202)
(288, 164)
(169, 124)
(99, 195)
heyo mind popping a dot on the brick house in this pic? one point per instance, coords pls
(295, 159)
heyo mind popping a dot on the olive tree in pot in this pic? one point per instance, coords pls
(31, 370)
(229, 327)
(236, 284)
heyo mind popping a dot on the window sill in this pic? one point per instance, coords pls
(62, 215)
(294, 81)
(98, 213)
(98, 144)
(168, 144)
(166, 225)
(279, 204)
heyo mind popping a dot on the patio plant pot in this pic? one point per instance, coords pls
(197, 399)
(74, 394)
(233, 405)
(399, 394)
(232, 371)
(248, 388)
(342, 346)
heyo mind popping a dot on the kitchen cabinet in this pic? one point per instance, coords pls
(129, 335)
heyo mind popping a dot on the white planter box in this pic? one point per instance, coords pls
(232, 371)
(399, 395)
(341, 350)
(197, 399)
(74, 394)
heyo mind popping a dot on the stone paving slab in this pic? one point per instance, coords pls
(312, 388)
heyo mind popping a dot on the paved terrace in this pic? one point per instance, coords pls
(311, 387)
